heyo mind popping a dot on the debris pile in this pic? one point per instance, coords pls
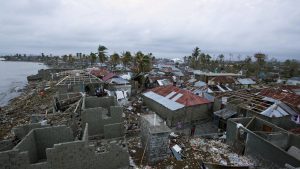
(214, 151)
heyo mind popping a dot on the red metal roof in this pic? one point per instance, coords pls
(188, 98)
(288, 98)
(295, 131)
(223, 79)
(100, 72)
(108, 76)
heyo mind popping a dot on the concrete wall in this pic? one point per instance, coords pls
(28, 144)
(93, 101)
(93, 117)
(13, 159)
(36, 142)
(103, 123)
(156, 143)
(113, 130)
(22, 131)
(282, 122)
(121, 88)
(75, 155)
(262, 149)
(68, 155)
(47, 137)
(186, 115)
(269, 148)
(103, 117)
(6, 145)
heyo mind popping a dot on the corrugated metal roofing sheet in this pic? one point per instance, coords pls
(246, 81)
(188, 98)
(177, 97)
(170, 95)
(290, 99)
(108, 76)
(118, 80)
(200, 84)
(170, 104)
(222, 80)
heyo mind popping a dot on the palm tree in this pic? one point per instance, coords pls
(126, 58)
(93, 58)
(202, 60)
(101, 53)
(221, 60)
(260, 61)
(195, 56)
(143, 62)
(114, 59)
(207, 60)
(196, 53)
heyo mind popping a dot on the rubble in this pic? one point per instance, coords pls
(214, 151)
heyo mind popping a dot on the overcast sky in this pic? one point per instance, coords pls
(167, 28)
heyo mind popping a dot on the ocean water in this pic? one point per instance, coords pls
(13, 77)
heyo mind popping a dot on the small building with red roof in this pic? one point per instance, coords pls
(176, 105)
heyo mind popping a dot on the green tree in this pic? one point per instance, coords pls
(101, 53)
(260, 62)
(143, 62)
(126, 58)
(291, 68)
(114, 59)
(221, 61)
(93, 58)
(65, 58)
(71, 59)
(194, 58)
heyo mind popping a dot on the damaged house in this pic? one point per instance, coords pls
(264, 141)
(41, 146)
(176, 105)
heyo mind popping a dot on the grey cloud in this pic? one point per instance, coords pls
(168, 28)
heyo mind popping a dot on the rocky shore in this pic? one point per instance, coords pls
(33, 100)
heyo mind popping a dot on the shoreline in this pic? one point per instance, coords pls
(17, 91)
(19, 109)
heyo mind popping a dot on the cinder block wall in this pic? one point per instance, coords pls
(102, 122)
(22, 131)
(156, 143)
(93, 116)
(36, 142)
(262, 149)
(93, 102)
(113, 130)
(6, 145)
(184, 115)
(68, 155)
(13, 159)
(47, 137)
(272, 152)
(28, 144)
(76, 155)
